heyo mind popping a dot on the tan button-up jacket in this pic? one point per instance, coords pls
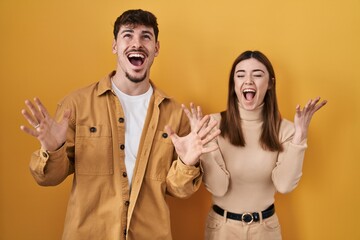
(102, 206)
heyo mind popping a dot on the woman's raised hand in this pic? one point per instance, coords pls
(303, 118)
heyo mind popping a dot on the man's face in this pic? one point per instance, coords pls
(136, 49)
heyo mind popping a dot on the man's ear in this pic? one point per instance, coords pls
(114, 47)
(157, 48)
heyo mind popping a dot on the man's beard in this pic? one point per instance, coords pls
(134, 79)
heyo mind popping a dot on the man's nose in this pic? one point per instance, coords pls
(136, 42)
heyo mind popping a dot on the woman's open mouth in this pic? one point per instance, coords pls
(249, 94)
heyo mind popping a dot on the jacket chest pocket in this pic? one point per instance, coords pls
(161, 157)
(93, 150)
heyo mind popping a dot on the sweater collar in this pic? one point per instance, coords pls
(251, 115)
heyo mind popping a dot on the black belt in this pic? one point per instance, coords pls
(246, 217)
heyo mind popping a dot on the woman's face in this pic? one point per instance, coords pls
(251, 83)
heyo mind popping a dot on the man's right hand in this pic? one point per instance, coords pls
(50, 133)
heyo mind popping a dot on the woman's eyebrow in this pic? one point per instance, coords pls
(255, 70)
(258, 70)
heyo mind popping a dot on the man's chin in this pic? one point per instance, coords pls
(136, 79)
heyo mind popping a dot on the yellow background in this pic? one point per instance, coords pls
(49, 48)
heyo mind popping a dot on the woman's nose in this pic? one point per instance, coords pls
(249, 80)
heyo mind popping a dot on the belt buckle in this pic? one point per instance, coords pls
(247, 218)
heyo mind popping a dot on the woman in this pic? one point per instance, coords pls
(258, 154)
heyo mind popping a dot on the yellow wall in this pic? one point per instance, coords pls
(49, 48)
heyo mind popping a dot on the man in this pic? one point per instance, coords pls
(111, 136)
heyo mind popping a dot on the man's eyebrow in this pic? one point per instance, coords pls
(147, 32)
(127, 30)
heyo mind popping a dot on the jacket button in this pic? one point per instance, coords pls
(93, 129)
(124, 232)
(164, 135)
(124, 174)
(127, 203)
(45, 155)
(121, 120)
(122, 146)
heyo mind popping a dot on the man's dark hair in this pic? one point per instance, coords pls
(134, 18)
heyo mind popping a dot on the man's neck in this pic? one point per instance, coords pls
(128, 87)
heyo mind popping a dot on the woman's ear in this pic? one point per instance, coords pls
(271, 83)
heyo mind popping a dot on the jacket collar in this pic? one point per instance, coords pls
(105, 85)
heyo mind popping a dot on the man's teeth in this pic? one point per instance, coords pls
(136, 55)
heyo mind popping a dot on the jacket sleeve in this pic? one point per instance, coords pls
(288, 171)
(216, 177)
(182, 180)
(51, 168)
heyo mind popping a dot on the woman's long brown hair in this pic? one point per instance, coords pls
(230, 124)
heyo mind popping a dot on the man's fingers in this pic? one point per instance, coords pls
(210, 149)
(28, 131)
(168, 130)
(66, 116)
(31, 120)
(36, 113)
(202, 124)
(174, 137)
(41, 108)
(211, 136)
(206, 127)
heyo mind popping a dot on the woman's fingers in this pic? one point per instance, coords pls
(199, 112)
(311, 106)
(186, 111)
(194, 113)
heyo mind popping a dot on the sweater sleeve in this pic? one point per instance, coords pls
(216, 176)
(51, 168)
(288, 171)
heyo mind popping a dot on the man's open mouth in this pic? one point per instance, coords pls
(136, 59)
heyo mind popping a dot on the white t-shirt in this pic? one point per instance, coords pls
(135, 109)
